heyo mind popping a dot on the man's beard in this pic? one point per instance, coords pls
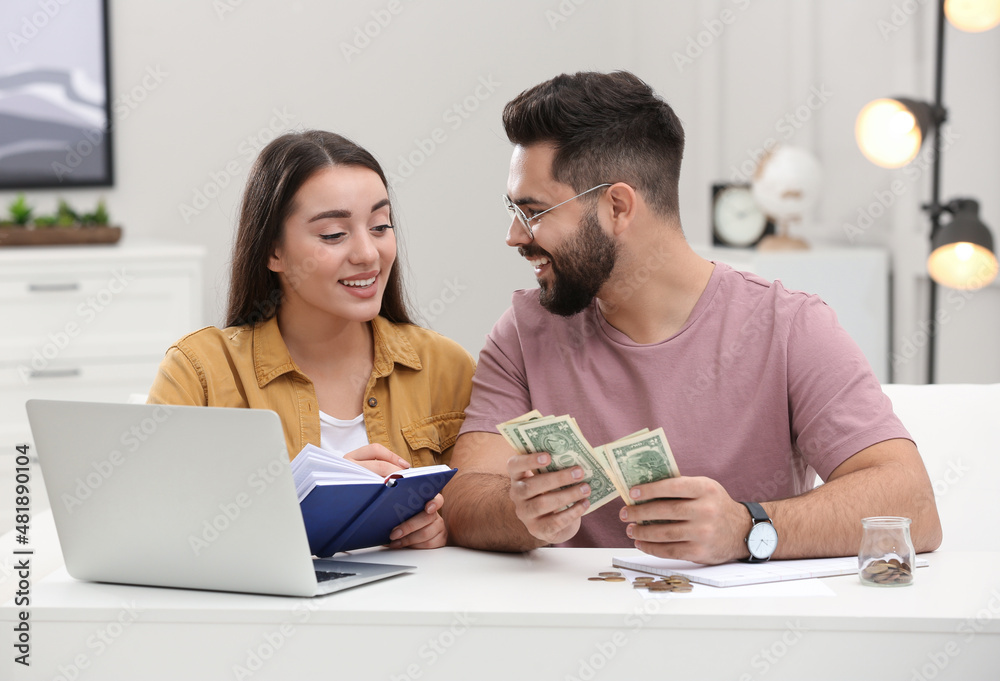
(579, 269)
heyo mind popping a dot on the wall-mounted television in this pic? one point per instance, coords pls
(55, 113)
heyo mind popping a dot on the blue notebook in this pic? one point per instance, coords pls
(346, 507)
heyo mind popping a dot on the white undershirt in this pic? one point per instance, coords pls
(340, 437)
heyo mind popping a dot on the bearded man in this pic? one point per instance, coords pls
(757, 388)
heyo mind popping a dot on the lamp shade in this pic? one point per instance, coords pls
(890, 131)
(973, 16)
(962, 250)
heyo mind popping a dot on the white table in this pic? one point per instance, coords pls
(475, 615)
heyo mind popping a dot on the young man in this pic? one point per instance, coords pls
(755, 386)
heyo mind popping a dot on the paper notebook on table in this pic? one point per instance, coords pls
(740, 574)
(346, 507)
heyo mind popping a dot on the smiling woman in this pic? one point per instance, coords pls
(318, 328)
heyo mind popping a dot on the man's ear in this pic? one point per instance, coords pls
(624, 204)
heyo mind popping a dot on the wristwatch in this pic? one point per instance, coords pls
(762, 539)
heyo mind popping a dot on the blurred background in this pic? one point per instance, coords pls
(198, 87)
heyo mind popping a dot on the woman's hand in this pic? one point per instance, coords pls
(377, 459)
(426, 530)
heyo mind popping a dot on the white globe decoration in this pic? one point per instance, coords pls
(786, 186)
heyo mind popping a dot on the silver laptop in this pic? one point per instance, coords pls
(191, 497)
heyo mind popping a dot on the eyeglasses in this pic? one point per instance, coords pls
(525, 221)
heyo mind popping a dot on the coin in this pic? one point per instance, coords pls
(889, 572)
(614, 579)
(595, 579)
(609, 574)
(645, 579)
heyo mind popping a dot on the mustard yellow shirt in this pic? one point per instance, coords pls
(414, 402)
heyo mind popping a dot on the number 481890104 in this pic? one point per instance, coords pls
(22, 492)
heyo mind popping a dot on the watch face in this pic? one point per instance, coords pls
(737, 220)
(762, 540)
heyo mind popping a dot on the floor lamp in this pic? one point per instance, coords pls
(890, 132)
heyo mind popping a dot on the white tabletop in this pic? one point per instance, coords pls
(468, 614)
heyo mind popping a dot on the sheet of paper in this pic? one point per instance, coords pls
(801, 588)
(740, 574)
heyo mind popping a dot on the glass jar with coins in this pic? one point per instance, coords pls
(886, 557)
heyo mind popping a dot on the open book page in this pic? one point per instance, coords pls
(314, 466)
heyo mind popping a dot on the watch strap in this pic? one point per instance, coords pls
(757, 512)
(759, 515)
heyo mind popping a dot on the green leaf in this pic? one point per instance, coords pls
(20, 211)
(65, 215)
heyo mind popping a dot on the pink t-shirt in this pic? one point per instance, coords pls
(759, 390)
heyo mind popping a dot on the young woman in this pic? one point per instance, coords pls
(318, 329)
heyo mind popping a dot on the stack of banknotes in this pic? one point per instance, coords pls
(611, 470)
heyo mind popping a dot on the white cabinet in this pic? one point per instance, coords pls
(854, 281)
(87, 323)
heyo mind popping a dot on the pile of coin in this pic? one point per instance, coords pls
(674, 583)
(609, 576)
(888, 572)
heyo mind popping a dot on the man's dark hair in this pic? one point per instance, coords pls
(605, 127)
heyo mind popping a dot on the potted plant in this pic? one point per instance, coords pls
(65, 226)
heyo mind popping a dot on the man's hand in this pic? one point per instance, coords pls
(706, 526)
(378, 459)
(540, 501)
(426, 530)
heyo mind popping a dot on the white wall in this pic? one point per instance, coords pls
(224, 74)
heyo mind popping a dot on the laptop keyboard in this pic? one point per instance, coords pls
(325, 576)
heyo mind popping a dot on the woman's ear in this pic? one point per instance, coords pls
(624, 204)
(276, 262)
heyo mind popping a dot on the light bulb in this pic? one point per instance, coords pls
(902, 122)
(963, 266)
(973, 16)
(887, 133)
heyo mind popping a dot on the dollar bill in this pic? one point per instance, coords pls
(567, 447)
(507, 429)
(610, 469)
(639, 459)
